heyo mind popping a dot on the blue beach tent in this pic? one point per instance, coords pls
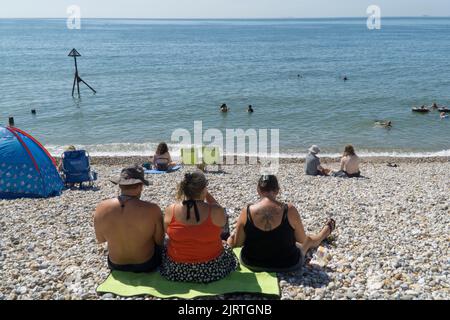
(27, 170)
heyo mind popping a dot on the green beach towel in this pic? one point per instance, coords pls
(128, 284)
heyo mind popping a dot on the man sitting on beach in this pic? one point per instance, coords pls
(312, 163)
(132, 228)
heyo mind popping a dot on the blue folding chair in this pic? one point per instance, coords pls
(76, 168)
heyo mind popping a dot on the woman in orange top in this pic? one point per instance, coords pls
(195, 250)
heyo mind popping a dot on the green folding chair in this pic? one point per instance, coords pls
(189, 156)
(211, 156)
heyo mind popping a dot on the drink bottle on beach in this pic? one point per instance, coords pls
(321, 257)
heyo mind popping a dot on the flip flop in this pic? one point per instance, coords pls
(392, 165)
(331, 223)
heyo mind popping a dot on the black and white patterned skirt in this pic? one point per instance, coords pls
(205, 272)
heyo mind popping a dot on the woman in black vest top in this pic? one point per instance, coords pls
(272, 234)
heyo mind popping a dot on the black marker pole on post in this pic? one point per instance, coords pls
(77, 79)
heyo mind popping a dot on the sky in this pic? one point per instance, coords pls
(220, 8)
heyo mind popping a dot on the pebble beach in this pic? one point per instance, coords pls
(392, 238)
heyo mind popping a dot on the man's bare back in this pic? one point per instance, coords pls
(131, 232)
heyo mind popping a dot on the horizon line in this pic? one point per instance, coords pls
(225, 18)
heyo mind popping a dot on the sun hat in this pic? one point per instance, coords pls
(130, 176)
(314, 149)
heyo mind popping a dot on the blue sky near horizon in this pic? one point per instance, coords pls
(220, 8)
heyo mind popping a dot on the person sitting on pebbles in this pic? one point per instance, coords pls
(162, 160)
(132, 228)
(195, 251)
(349, 164)
(312, 163)
(271, 233)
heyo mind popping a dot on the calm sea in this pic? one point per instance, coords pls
(154, 76)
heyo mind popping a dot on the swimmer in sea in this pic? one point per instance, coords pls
(345, 78)
(224, 108)
(250, 109)
(384, 124)
(444, 115)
